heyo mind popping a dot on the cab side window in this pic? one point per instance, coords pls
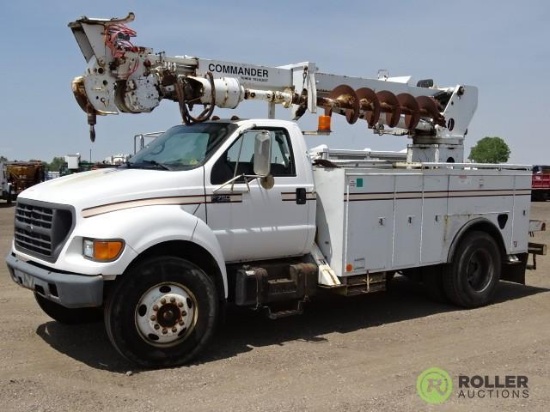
(240, 157)
(282, 161)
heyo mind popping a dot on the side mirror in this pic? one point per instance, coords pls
(262, 154)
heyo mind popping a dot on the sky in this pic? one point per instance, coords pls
(501, 47)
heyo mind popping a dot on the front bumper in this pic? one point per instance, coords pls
(69, 290)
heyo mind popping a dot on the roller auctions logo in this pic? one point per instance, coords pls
(499, 387)
(434, 385)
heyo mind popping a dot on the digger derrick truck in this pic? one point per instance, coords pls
(237, 211)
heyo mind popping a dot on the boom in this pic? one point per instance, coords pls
(122, 77)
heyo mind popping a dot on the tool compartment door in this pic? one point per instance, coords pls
(369, 221)
(407, 221)
(434, 212)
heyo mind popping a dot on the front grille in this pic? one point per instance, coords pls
(41, 229)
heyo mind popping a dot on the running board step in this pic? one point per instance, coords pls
(283, 313)
(359, 285)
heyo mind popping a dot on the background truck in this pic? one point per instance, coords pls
(74, 164)
(5, 184)
(541, 183)
(238, 211)
(18, 176)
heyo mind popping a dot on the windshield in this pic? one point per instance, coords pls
(183, 147)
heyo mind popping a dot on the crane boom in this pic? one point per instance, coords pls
(122, 77)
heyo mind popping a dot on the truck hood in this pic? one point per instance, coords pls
(113, 185)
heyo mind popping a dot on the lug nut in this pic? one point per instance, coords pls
(153, 317)
(180, 304)
(174, 329)
(181, 322)
(157, 326)
(155, 307)
(183, 313)
(172, 299)
(163, 301)
(164, 331)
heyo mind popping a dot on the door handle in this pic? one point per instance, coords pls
(301, 196)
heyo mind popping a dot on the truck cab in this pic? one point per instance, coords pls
(204, 170)
(193, 193)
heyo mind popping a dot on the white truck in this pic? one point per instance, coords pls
(236, 211)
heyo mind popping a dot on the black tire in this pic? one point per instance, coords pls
(472, 277)
(162, 312)
(68, 316)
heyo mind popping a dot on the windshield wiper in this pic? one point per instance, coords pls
(146, 164)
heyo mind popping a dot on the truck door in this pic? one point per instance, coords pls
(252, 222)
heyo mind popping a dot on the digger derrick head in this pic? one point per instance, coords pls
(107, 86)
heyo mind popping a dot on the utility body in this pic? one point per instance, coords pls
(239, 211)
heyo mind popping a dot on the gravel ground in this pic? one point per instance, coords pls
(344, 354)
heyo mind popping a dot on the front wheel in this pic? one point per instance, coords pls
(162, 313)
(471, 279)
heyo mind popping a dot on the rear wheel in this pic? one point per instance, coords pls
(471, 279)
(68, 316)
(162, 313)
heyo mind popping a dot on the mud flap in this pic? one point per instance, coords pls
(515, 271)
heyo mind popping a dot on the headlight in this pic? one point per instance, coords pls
(102, 250)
